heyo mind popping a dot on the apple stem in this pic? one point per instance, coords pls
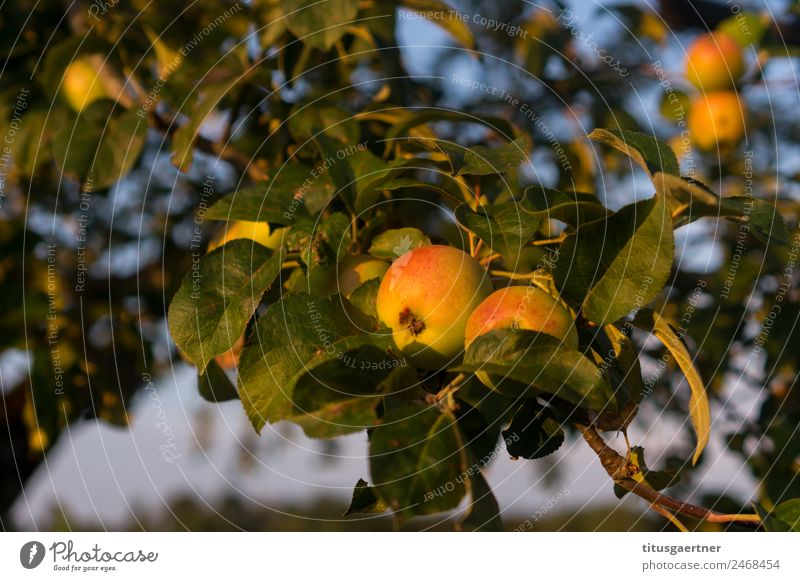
(449, 390)
(486, 260)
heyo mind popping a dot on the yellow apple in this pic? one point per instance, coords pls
(426, 297)
(242, 229)
(356, 269)
(717, 119)
(82, 84)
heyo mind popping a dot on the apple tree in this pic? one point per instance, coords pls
(464, 268)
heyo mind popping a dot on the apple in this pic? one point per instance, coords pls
(230, 359)
(356, 269)
(344, 278)
(90, 78)
(520, 307)
(714, 62)
(426, 297)
(82, 84)
(717, 119)
(242, 229)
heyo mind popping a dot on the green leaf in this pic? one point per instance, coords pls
(655, 479)
(319, 23)
(540, 363)
(340, 395)
(393, 244)
(364, 298)
(573, 208)
(481, 437)
(494, 407)
(613, 266)
(695, 200)
(747, 28)
(216, 299)
(371, 172)
(770, 522)
(120, 147)
(100, 153)
(280, 201)
(364, 500)
(789, 512)
(75, 147)
(505, 228)
(337, 165)
(402, 183)
(417, 459)
(305, 364)
(32, 136)
(652, 154)
(215, 386)
(617, 356)
(307, 119)
(620, 360)
(480, 160)
(328, 241)
(674, 105)
(699, 409)
(442, 17)
(762, 218)
(484, 512)
(534, 432)
(208, 99)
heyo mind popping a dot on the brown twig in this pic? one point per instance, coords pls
(617, 468)
(241, 162)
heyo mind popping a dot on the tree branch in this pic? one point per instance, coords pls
(617, 468)
(241, 162)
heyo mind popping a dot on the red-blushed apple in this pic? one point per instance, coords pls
(523, 308)
(714, 62)
(230, 359)
(426, 297)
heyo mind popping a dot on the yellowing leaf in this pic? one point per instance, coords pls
(699, 409)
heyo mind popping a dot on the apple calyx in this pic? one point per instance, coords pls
(415, 326)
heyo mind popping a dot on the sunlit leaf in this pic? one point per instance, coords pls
(699, 409)
(216, 299)
(613, 266)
